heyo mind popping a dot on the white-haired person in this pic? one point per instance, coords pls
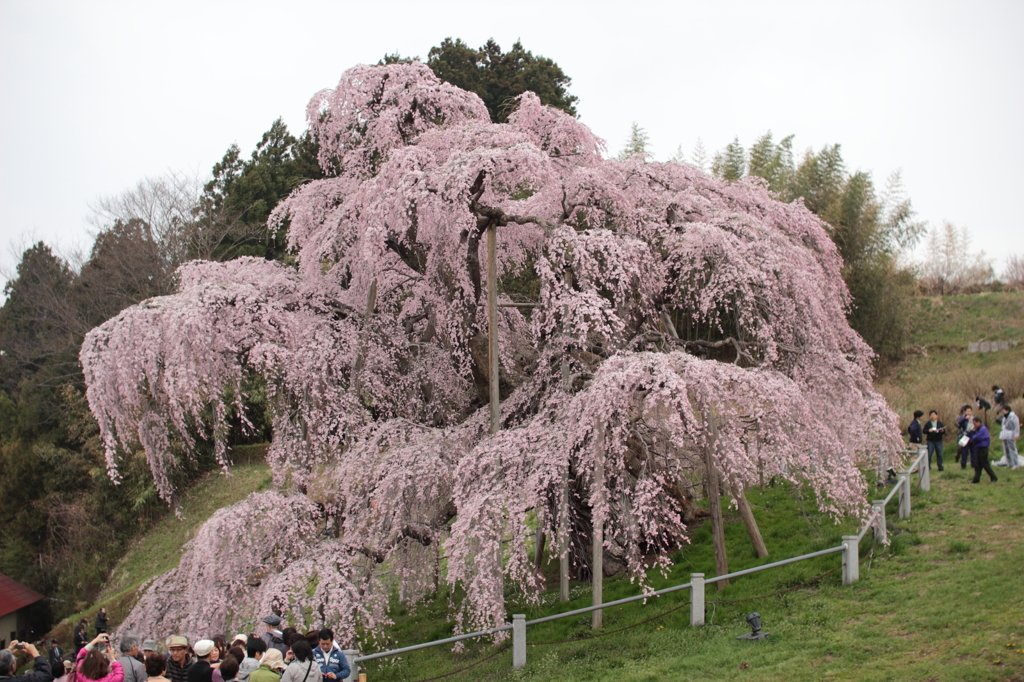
(40, 669)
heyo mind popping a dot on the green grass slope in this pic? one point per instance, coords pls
(159, 550)
(944, 601)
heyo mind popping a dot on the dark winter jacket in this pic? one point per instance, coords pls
(178, 673)
(81, 639)
(940, 431)
(40, 673)
(101, 622)
(915, 432)
(200, 671)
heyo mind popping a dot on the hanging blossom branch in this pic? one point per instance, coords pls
(667, 299)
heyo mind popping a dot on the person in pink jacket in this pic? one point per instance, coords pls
(96, 662)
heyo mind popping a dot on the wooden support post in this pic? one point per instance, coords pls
(364, 341)
(748, 519)
(597, 544)
(492, 327)
(715, 502)
(539, 540)
(563, 544)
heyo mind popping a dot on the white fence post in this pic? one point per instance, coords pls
(924, 468)
(851, 559)
(351, 655)
(879, 514)
(518, 640)
(904, 484)
(696, 600)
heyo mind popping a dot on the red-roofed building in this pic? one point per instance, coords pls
(15, 599)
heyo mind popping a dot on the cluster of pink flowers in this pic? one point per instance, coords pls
(668, 299)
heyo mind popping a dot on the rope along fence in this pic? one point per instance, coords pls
(850, 567)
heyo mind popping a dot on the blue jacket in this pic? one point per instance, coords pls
(980, 438)
(333, 661)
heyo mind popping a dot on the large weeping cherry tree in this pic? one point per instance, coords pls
(686, 327)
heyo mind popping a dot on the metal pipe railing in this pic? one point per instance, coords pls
(793, 560)
(427, 645)
(850, 574)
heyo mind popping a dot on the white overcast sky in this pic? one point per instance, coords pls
(97, 95)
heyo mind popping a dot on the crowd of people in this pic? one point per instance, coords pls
(276, 656)
(972, 436)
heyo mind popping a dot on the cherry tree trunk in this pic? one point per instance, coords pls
(357, 368)
(492, 327)
(748, 519)
(715, 502)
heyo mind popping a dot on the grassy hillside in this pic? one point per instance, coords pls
(159, 550)
(942, 602)
(942, 375)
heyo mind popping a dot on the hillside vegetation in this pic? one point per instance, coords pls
(942, 602)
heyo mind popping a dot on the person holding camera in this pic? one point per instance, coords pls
(98, 663)
(979, 443)
(40, 671)
(935, 431)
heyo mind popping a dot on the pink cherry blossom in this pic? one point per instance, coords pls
(668, 300)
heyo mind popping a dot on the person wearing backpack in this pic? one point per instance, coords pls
(273, 637)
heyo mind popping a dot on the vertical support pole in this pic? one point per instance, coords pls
(714, 502)
(696, 600)
(364, 341)
(492, 327)
(539, 540)
(878, 510)
(597, 544)
(904, 494)
(563, 544)
(747, 514)
(851, 559)
(881, 462)
(518, 640)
